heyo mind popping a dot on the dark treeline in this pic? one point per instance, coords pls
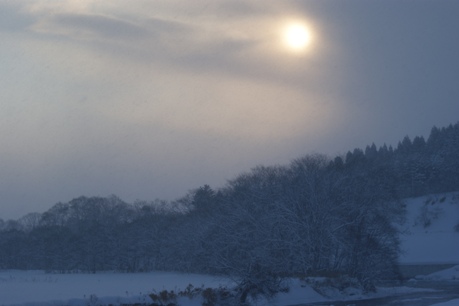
(315, 216)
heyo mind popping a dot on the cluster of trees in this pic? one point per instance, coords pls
(417, 167)
(315, 216)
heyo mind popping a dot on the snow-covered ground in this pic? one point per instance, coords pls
(36, 288)
(39, 288)
(436, 243)
(451, 274)
(449, 303)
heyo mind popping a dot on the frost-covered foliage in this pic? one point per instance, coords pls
(316, 216)
(335, 286)
(307, 219)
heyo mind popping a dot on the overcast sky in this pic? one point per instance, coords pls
(149, 99)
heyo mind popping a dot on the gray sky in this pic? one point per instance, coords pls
(149, 99)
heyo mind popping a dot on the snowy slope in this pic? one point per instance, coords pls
(429, 232)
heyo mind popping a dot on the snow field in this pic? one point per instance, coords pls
(449, 303)
(39, 288)
(36, 288)
(451, 274)
(438, 242)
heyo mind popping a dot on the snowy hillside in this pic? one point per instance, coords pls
(431, 231)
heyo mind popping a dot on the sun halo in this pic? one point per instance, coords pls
(296, 36)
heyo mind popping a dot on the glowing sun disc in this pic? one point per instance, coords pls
(296, 36)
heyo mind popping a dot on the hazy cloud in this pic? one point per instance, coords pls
(103, 26)
(12, 18)
(148, 99)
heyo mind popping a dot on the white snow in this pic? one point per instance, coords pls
(438, 242)
(451, 274)
(449, 303)
(36, 288)
(301, 293)
(298, 293)
(39, 288)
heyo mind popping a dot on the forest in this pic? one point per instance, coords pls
(316, 216)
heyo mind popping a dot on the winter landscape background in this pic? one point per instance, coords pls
(229, 152)
(362, 219)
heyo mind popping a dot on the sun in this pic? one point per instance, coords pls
(296, 36)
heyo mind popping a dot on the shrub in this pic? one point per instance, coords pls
(164, 298)
(210, 297)
(259, 282)
(341, 285)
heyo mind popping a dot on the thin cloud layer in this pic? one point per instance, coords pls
(85, 26)
(206, 36)
(148, 99)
